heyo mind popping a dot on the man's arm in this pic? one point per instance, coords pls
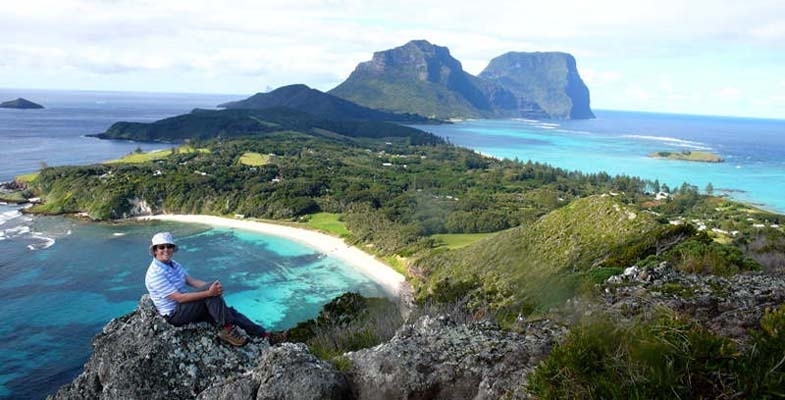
(193, 282)
(215, 289)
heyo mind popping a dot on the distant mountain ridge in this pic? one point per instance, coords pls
(425, 79)
(236, 123)
(303, 98)
(417, 83)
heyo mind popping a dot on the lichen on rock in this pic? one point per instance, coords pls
(141, 356)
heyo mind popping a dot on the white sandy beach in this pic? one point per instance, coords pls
(389, 279)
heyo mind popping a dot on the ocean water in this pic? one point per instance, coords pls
(619, 142)
(62, 280)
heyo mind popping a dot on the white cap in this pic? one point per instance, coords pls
(162, 238)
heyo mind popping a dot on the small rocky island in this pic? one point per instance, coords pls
(20, 103)
(699, 156)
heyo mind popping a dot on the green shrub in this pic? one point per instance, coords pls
(601, 274)
(703, 255)
(762, 373)
(350, 322)
(662, 359)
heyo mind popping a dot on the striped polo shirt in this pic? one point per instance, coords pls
(161, 281)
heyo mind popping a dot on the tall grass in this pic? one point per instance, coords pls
(667, 357)
(348, 323)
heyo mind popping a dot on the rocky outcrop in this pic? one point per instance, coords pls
(141, 356)
(285, 372)
(439, 358)
(728, 306)
(20, 103)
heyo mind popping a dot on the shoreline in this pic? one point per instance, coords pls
(387, 278)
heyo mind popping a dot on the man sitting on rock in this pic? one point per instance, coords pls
(167, 282)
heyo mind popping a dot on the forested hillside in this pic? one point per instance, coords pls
(237, 123)
(550, 235)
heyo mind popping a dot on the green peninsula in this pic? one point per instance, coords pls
(699, 156)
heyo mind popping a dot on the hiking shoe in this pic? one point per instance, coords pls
(277, 337)
(232, 336)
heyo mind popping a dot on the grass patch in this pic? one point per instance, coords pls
(138, 157)
(27, 178)
(397, 263)
(13, 197)
(253, 159)
(667, 357)
(328, 222)
(458, 240)
(348, 323)
(602, 274)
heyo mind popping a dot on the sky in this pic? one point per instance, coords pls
(705, 57)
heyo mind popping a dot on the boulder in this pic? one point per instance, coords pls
(141, 356)
(439, 358)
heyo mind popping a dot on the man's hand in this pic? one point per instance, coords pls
(216, 289)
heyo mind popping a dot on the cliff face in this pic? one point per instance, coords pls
(419, 78)
(141, 356)
(549, 80)
(423, 78)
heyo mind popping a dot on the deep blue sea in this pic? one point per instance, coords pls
(62, 280)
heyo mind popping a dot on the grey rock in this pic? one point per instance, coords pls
(290, 372)
(141, 356)
(730, 307)
(436, 358)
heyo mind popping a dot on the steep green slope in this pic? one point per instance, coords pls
(320, 104)
(210, 124)
(540, 263)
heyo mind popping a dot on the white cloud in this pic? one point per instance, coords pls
(245, 43)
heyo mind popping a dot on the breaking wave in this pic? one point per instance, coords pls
(671, 141)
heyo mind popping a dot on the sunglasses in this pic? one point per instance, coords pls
(164, 246)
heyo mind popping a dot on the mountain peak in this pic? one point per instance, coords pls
(303, 98)
(418, 77)
(549, 79)
(421, 77)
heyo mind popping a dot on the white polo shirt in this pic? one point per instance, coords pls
(161, 281)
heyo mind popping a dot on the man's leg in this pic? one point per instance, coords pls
(237, 318)
(212, 309)
(194, 311)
